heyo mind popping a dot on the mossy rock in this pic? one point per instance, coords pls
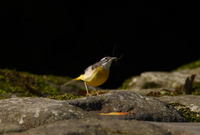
(13, 83)
(64, 97)
(191, 65)
(126, 83)
(149, 85)
(189, 115)
(196, 87)
(174, 80)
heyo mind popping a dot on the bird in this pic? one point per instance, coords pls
(96, 74)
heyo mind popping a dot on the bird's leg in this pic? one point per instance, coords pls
(96, 91)
(86, 88)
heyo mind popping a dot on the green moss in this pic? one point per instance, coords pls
(26, 84)
(149, 85)
(55, 79)
(64, 97)
(177, 91)
(175, 104)
(191, 65)
(125, 84)
(196, 87)
(189, 115)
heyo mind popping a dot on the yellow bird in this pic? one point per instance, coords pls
(97, 74)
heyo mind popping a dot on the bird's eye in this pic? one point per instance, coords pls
(104, 59)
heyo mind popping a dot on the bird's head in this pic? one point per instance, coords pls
(107, 61)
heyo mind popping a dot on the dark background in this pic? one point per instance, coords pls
(63, 38)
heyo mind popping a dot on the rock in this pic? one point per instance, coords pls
(97, 127)
(32, 112)
(168, 80)
(138, 107)
(149, 92)
(114, 127)
(190, 101)
(178, 128)
(9, 128)
(187, 105)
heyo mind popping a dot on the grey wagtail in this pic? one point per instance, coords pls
(96, 74)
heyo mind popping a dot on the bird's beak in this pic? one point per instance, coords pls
(114, 58)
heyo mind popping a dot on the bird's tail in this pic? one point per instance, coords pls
(69, 82)
(73, 80)
(79, 78)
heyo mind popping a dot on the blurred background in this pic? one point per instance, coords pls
(63, 38)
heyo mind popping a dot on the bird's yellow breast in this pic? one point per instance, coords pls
(95, 77)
